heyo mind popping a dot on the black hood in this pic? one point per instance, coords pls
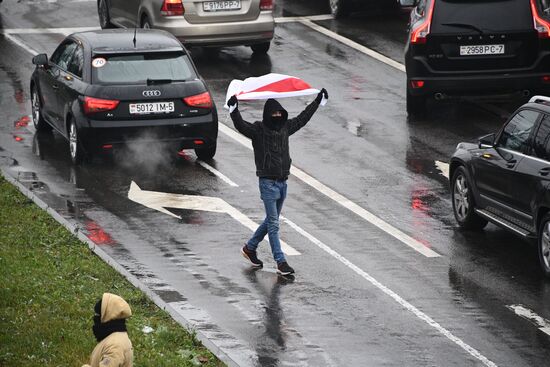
(271, 106)
(103, 330)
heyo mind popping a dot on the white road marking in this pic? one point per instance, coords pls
(342, 200)
(346, 41)
(541, 323)
(208, 167)
(408, 306)
(223, 177)
(313, 18)
(443, 168)
(21, 44)
(160, 201)
(64, 31)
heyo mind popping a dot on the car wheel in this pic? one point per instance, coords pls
(145, 23)
(104, 17)
(75, 146)
(261, 48)
(544, 245)
(339, 8)
(206, 154)
(39, 123)
(416, 105)
(463, 201)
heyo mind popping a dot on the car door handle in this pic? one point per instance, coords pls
(511, 163)
(55, 86)
(544, 171)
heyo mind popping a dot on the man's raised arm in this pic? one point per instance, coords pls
(303, 118)
(244, 127)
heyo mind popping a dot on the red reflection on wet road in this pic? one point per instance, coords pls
(22, 122)
(97, 234)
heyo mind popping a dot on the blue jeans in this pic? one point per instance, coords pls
(273, 194)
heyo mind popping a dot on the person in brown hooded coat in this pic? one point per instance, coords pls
(114, 348)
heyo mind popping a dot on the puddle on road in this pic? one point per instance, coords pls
(170, 296)
(97, 234)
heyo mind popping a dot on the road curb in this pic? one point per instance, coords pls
(75, 230)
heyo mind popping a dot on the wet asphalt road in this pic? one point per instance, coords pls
(394, 306)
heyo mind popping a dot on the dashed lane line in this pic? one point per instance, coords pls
(408, 306)
(443, 168)
(21, 44)
(346, 41)
(223, 177)
(64, 31)
(532, 317)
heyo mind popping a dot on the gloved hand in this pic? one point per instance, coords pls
(322, 97)
(233, 103)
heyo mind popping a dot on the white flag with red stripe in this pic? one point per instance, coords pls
(269, 86)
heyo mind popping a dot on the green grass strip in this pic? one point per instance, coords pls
(50, 282)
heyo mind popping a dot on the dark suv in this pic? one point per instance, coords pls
(505, 178)
(477, 47)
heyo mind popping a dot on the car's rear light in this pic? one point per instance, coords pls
(546, 79)
(416, 84)
(202, 100)
(198, 142)
(93, 105)
(419, 33)
(266, 4)
(172, 8)
(542, 26)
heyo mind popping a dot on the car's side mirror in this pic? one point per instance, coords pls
(40, 60)
(487, 141)
(407, 3)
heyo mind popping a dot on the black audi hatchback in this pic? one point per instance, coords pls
(477, 47)
(505, 178)
(103, 89)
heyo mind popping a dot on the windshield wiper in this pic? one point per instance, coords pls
(464, 25)
(164, 81)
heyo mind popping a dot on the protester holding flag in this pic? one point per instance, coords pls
(271, 153)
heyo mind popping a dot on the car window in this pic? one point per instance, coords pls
(541, 144)
(136, 68)
(515, 135)
(62, 55)
(465, 16)
(77, 62)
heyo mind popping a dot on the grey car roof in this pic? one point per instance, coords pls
(543, 107)
(121, 40)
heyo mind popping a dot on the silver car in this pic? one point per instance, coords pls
(197, 22)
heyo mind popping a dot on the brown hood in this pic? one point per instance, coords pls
(114, 307)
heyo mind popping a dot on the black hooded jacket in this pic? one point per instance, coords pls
(270, 138)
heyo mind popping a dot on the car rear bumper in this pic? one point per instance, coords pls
(480, 85)
(200, 131)
(259, 30)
